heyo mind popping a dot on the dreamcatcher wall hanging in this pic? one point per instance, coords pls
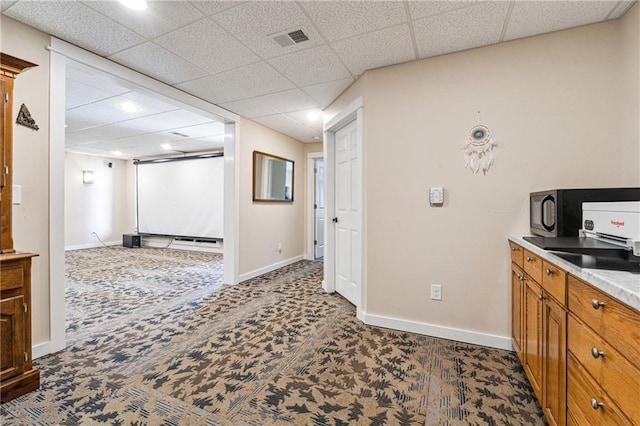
(478, 149)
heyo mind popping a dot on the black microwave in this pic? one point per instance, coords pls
(558, 212)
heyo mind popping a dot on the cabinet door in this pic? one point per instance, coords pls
(517, 291)
(533, 334)
(12, 341)
(555, 362)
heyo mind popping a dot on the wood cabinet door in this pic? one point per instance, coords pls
(517, 290)
(12, 341)
(533, 334)
(554, 337)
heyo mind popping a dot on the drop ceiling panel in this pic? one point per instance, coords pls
(5, 4)
(159, 63)
(204, 130)
(75, 23)
(211, 7)
(288, 126)
(325, 93)
(422, 9)
(207, 46)
(301, 117)
(160, 17)
(460, 29)
(388, 46)
(78, 94)
(529, 18)
(93, 78)
(290, 100)
(253, 80)
(249, 108)
(255, 23)
(312, 66)
(341, 19)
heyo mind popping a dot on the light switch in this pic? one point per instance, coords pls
(436, 196)
(16, 194)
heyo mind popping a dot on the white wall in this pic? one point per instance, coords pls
(105, 207)
(630, 95)
(553, 103)
(31, 164)
(265, 225)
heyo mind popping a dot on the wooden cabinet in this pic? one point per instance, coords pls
(17, 375)
(539, 310)
(604, 347)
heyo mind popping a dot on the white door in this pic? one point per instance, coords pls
(319, 208)
(347, 224)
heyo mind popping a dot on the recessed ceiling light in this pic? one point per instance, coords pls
(313, 115)
(135, 4)
(116, 152)
(129, 106)
(166, 146)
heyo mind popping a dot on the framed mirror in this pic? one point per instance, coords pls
(272, 178)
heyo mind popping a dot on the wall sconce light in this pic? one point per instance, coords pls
(87, 177)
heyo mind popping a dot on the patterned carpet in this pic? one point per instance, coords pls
(155, 339)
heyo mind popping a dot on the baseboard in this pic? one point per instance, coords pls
(273, 267)
(92, 245)
(490, 340)
(40, 350)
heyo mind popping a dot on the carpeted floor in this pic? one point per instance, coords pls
(155, 339)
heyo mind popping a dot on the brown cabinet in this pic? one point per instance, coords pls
(539, 316)
(17, 375)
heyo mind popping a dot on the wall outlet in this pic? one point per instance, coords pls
(436, 292)
(279, 249)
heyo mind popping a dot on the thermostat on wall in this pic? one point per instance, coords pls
(436, 196)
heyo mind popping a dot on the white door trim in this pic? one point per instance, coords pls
(354, 111)
(310, 249)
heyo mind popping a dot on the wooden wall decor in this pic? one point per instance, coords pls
(24, 118)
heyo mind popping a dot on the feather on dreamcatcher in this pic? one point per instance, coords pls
(478, 149)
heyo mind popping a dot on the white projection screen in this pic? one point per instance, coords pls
(181, 198)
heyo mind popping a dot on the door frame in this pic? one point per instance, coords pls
(310, 249)
(59, 51)
(353, 112)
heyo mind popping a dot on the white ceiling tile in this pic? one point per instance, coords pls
(96, 79)
(290, 100)
(75, 23)
(288, 126)
(256, 23)
(301, 117)
(312, 66)
(211, 7)
(249, 108)
(536, 17)
(77, 93)
(461, 29)
(621, 8)
(208, 46)
(389, 46)
(422, 8)
(341, 19)
(158, 63)
(326, 93)
(160, 17)
(246, 82)
(5, 4)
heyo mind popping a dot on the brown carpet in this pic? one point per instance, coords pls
(155, 339)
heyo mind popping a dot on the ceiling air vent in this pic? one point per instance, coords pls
(289, 39)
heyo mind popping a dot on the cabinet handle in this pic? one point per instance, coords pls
(597, 304)
(529, 259)
(515, 249)
(541, 296)
(595, 404)
(548, 271)
(596, 353)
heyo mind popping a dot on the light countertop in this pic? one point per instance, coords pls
(622, 285)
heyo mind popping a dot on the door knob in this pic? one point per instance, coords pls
(335, 220)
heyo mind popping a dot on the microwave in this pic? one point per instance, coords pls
(558, 212)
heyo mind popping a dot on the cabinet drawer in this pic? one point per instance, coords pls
(516, 253)
(613, 372)
(554, 281)
(582, 391)
(12, 276)
(533, 266)
(618, 324)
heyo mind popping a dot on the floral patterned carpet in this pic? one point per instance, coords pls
(154, 338)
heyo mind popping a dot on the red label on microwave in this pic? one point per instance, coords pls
(617, 223)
